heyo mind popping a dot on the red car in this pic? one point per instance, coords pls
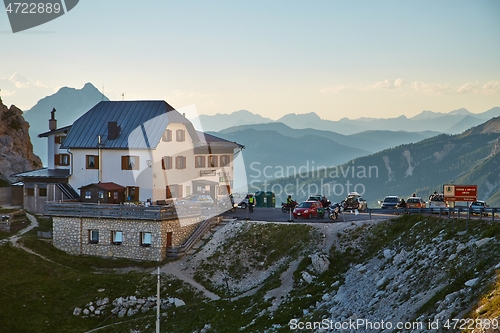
(307, 209)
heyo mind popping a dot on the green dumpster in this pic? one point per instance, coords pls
(271, 199)
(260, 199)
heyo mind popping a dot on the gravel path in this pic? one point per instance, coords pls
(15, 238)
(176, 269)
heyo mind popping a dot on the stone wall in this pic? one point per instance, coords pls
(72, 235)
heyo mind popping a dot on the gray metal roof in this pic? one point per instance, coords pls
(44, 173)
(59, 130)
(142, 124)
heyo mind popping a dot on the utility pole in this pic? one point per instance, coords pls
(158, 302)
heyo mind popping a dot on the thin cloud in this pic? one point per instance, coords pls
(489, 88)
(22, 91)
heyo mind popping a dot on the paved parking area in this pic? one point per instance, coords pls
(276, 215)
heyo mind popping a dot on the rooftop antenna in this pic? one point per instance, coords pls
(123, 96)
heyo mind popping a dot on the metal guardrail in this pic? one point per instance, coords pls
(132, 212)
(458, 212)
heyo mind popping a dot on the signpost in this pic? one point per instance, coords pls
(460, 192)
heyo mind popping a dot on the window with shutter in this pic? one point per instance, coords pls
(199, 161)
(212, 161)
(166, 163)
(180, 135)
(167, 136)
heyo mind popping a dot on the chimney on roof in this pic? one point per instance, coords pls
(113, 130)
(52, 120)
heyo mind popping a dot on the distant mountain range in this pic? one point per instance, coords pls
(70, 104)
(453, 122)
(469, 158)
(276, 146)
(220, 121)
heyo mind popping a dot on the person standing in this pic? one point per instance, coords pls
(251, 202)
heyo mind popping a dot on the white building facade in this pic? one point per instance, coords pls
(146, 146)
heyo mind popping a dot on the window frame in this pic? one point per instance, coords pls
(180, 162)
(95, 161)
(114, 240)
(213, 161)
(93, 236)
(166, 162)
(144, 234)
(42, 191)
(130, 162)
(62, 159)
(180, 135)
(167, 136)
(223, 162)
(59, 139)
(199, 161)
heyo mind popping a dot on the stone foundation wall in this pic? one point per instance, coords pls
(72, 235)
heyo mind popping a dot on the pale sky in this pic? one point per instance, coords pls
(336, 58)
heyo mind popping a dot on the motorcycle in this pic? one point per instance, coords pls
(286, 208)
(334, 211)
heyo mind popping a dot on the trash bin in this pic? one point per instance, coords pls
(271, 199)
(259, 199)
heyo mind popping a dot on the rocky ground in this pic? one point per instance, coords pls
(250, 282)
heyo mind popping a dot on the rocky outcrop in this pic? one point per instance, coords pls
(16, 150)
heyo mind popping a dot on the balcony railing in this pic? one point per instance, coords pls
(130, 212)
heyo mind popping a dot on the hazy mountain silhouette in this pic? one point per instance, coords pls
(425, 121)
(269, 154)
(221, 121)
(70, 104)
(367, 141)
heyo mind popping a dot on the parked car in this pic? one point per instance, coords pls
(240, 200)
(477, 207)
(415, 202)
(315, 198)
(389, 202)
(308, 209)
(196, 200)
(436, 200)
(243, 204)
(320, 199)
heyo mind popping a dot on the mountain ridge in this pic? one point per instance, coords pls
(70, 104)
(453, 122)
